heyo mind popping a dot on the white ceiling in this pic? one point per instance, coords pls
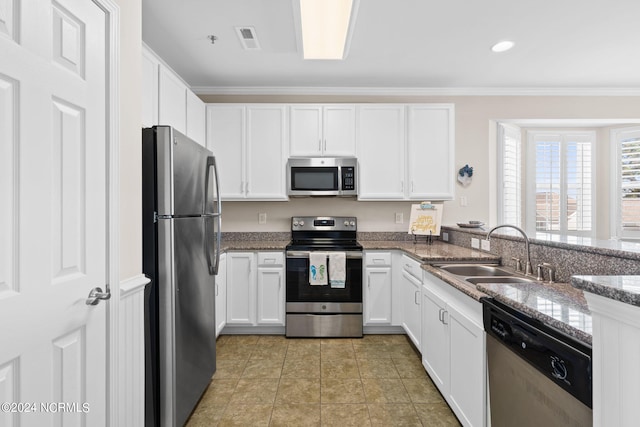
(578, 45)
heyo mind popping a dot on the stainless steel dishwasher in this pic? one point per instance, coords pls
(538, 376)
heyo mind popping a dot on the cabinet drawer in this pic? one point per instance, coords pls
(377, 258)
(412, 267)
(270, 258)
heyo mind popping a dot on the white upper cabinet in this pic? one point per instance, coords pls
(381, 156)
(322, 130)
(167, 100)
(406, 152)
(196, 118)
(249, 142)
(172, 98)
(430, 152)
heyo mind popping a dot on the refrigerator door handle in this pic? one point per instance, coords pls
(211, 164)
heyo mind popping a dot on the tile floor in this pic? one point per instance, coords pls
(274, 381)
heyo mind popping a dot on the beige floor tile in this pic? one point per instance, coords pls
(385, 390)
(387, 415)
(403, 350)
(272, 339)
(246, 415)
(298, 390)
(422, 390)
(339, 368)
(409, 367)
(345, 415)
(270, 351)
(255, 391)
(303, 348)
(235, 351)
(229, 368)
(263, 368)
(341, 390)
(436, 414)
(337, 352)
(372, 351)
(219, 391)
(295, 415)
(206, 415)
(301, 367)
(242, 339)
(377, 368)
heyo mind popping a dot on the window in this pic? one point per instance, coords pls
(510, 175)
(560, 182)
(626, 217)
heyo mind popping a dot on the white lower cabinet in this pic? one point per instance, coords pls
(377, 288)
(411, 285)
(453, 348)
(255, 288)
(221, 295)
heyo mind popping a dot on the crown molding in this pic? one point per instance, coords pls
(417, 91)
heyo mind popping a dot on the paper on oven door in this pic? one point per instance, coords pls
(318, 268)
(337, 269)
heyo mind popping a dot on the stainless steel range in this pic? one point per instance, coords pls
(324, 278)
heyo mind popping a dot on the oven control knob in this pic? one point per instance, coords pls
(559, 368)
(301, 223)
(295, 223)
(352, 223)
(346, 223)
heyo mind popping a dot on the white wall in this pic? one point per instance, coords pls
(130, 137)
(474, 145)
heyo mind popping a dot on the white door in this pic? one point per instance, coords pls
(53, 225)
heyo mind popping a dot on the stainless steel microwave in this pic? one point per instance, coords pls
(322, 176)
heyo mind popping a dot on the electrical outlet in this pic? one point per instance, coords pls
(463, 201)
(262, 218)
(445, 236)
(485, 245)
(475, 243)
(399, 217)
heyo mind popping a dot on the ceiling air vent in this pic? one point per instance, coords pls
(248, 38)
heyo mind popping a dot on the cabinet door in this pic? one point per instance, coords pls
(266, 152)
(412, 313)
(339, 130)
(306, 130)
(270, 296)
(430, 152)
(149, 89)
(377, 300)
(221, 295)
(241, 292)
(467, 364)
(225, 138)
(381, 145)
(196, 116)
(435, 339)
(172, 100)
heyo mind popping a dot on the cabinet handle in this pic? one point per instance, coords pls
(402, 186)
(319, 145)
(412, 186)
(279, 282)
(440, 315)
(217, 286)
(369, 282)
(325, 145)
(444, 312)
(378, 261)
(415, 298)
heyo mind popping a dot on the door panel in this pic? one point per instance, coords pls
(53, 225)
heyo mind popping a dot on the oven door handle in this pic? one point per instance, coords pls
(305, 254)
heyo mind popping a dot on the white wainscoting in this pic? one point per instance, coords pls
(131, 347)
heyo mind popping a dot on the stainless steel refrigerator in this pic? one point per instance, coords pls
(181, 239)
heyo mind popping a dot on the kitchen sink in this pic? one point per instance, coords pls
(500, 279)
(475, 270)
(482, 273)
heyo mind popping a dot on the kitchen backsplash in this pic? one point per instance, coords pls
(567, 259)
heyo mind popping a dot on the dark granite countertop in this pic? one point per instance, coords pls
(558, 305)
(253, 245)
(437, 252)
(625, 289)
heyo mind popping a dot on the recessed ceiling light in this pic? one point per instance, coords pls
(502, 46)
(325, 27)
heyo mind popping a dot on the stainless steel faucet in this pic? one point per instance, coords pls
(528, 270)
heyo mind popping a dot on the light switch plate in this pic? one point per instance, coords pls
(485, 245)
(445, 236)
(262, 218)
(475, 243)
(399, 217)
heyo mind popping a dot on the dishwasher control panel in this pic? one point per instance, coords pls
(564, 360)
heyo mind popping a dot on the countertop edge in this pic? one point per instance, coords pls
(597, 285)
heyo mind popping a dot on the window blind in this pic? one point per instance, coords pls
(630, 180)
(511, 175)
